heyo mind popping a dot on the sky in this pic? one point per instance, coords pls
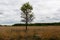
(45, 11)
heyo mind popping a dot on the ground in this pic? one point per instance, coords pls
(33, 33)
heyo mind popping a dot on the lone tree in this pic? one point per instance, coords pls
(27, 13)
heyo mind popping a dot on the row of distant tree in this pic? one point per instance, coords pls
(35, 24)
(39, 24)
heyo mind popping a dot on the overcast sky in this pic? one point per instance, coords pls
(45, 11)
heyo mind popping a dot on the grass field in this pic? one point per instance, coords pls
(33, 33)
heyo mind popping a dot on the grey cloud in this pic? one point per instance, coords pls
(44, 10)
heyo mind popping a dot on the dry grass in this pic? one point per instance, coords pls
(33, 33)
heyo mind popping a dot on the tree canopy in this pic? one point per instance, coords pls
(26, 7)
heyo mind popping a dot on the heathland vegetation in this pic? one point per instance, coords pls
(33, 33)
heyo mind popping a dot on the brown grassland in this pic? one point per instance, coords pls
(33, 33)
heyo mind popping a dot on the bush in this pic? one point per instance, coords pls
(53, 38)
(36, 37)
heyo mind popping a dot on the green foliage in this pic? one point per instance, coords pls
(39, 24)
(26, 7)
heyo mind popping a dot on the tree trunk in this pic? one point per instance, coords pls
(26, 21)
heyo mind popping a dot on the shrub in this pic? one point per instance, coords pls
(53, 38)
(36, 37)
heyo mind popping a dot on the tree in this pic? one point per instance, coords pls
(27, 14)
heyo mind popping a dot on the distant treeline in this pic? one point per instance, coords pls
(39, 24)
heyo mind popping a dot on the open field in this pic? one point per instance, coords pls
(33, 33)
